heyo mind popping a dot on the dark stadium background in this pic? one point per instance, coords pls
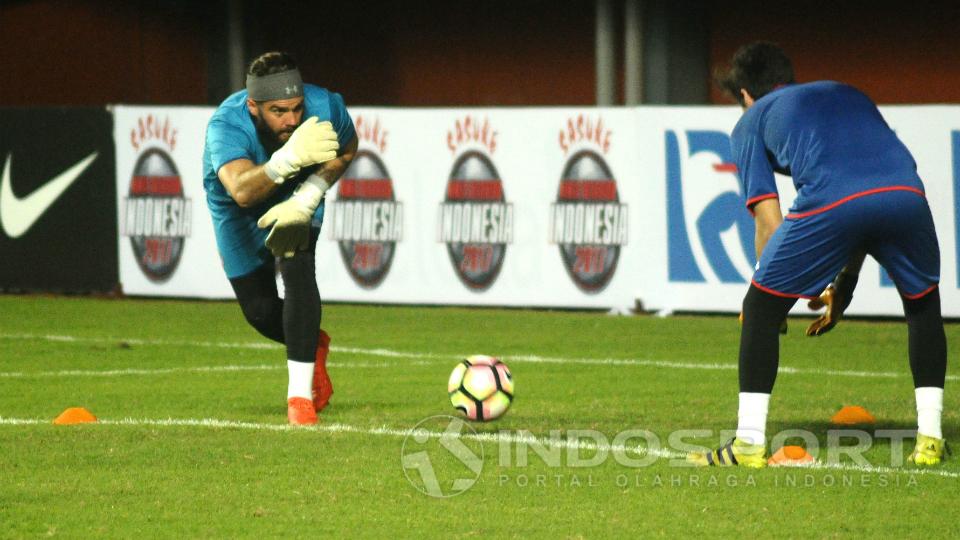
(439, 53)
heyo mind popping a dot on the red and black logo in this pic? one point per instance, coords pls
(588, 222)
(476, 222)
(367, 221)
(156, 215)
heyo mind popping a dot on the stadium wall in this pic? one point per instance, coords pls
(897, 53)
(95, 52)
(469, 53)
(551, 207)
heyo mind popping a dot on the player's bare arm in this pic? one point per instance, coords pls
(332, 170)
(247, 183)
(767, 216)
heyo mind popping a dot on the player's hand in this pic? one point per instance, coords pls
(291, 227)
(291, 218)
(783, 325)
(824, 323)
(313, 142)
(836, 298)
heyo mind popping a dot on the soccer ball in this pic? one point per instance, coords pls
(481, 387)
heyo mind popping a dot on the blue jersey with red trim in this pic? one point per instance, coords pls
(829, 137)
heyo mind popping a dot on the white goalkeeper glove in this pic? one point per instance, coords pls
(311, 143)
(291, 218)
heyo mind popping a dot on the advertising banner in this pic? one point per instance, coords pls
(545, 207)
(165, 243)
(705, 256)
(523, 207)
(57, 221)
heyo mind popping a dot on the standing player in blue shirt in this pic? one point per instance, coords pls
(272, 151)
(857, 193)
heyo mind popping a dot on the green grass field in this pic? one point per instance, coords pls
(193, 439)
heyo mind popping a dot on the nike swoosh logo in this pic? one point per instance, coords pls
(17, 214)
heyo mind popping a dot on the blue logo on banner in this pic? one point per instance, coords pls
(719, 215)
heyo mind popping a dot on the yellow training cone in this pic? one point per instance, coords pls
(74, 415)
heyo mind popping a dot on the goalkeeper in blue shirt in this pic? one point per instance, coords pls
(272, 151)
(858, 193)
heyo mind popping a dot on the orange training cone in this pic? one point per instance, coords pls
(852, 415)
(74, 415)
(790, 456)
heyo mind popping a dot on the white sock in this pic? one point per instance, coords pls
(752, 417)
(929, 409)
(301, 379)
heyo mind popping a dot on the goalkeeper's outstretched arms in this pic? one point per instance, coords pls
(836, 297)
(311, 143)
(291, 218)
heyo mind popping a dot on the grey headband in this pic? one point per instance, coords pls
(283, 85)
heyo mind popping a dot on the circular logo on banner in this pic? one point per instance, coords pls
(589, 223)
(367, 220)
(476, 222)
(157, 216)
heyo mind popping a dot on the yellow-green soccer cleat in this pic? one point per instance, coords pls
(735, 452)
(929, 450)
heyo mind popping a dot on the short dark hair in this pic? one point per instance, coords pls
(758, 68)
(271, 62)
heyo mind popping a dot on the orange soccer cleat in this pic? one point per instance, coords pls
(322, 386)
(300, 412)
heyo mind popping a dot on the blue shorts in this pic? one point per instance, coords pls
(895, 227)
(240, 241)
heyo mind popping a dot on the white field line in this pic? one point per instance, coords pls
(196, 369)
(426, 358)
(497, 438)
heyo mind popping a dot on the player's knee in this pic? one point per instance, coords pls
(927, 305)
(762, 309)
(924, 314)
(262, 313)
(298, 273)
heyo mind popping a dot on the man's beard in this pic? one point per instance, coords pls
(268, 138)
